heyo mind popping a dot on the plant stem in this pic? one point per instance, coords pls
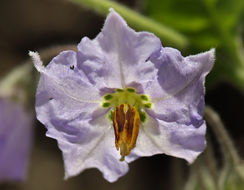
(228, 148)
(140, 22)
(211, 163)
(8, 82)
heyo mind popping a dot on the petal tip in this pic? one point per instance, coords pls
(212, 53)
(115, 17)
(210, 58)
(37, 60)
(206, 59)
(66, 176)
(111, 9)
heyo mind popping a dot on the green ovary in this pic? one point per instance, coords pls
(127, 96)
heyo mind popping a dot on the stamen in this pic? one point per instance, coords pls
(126, 122)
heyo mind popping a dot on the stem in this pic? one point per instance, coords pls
(224, 139)
(177, 174)
(201, 177)
(211, 163)
(140, 22)
(8, 82)
(191, 182)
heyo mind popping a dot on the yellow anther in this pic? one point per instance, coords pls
(126, 122)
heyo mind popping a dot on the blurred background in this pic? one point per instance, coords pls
(40, 24)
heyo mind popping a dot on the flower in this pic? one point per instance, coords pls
(122, 96)
(15, 140)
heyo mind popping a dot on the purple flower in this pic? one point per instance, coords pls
(120, 97)
(15, 140)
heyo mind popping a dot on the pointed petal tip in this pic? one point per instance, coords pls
(34, 55)
(111, 9)
(31, 53)
(66, 176)
(114, 15)
(210, 58)
(190, 160)
(37, 61)
(212, 53)
(206, 59)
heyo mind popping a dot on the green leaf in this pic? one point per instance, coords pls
(205, 41)
(184, 23)
(184, 15)
(211, 3)
(230, 12)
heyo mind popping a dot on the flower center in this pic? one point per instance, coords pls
(127, 112)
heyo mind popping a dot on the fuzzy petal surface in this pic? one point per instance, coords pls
(68, 105)
(176, 126)
(118, 56)
(95, 149)
(15, 141)
(178, 140)
(178, 93)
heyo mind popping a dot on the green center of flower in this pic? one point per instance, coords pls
(127, 112)
(130, 97)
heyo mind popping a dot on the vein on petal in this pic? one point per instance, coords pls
(42, 69)
(177, 92)
(122, 77)
(96, 144)
(151, 139)
(60, 87)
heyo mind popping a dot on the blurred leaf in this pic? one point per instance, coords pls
(207, 24)
(230, 12)
(211, 3)
(234, 183)
(184, 23)
(205, 41)
(184, 15)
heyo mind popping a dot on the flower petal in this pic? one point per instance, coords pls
(178, 93)
(15, 141)
(68, 105)
(120, 53)
(173, 139)
(96, 149)
(175, 124)
(145, 144)
(64, 93)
